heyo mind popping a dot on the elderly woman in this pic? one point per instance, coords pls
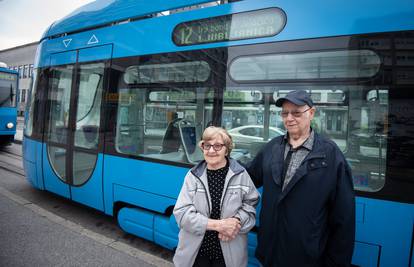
(216, 207)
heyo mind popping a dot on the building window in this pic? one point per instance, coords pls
(23, 96)
(30, 70)
(25, 71)
(20, 72)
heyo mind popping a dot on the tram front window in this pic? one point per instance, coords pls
(8, 87)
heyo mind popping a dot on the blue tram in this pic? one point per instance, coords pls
(8, 104)
(123, 89)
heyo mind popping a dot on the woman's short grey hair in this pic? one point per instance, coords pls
(212, 131)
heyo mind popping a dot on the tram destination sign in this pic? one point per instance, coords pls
(7, 76)
(239, 26)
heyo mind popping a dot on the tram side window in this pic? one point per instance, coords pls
(353, 116)
(35, 105)
(159, 123)
(249, 119)
(89, 104)
(368, 133)
(28, 130)
(59, 103)
(158, 120)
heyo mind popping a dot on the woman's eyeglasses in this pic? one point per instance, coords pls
(216, 147)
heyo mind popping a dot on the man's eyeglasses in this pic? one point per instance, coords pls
(295, 113)
(216, 147)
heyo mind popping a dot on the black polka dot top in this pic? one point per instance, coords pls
(210, 247)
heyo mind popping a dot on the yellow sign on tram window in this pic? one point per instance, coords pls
(7, 76)
(240, 26)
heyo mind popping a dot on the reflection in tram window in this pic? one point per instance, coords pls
(59, 102)
(57, 158)
(89, 105)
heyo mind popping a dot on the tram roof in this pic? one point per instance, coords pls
(104, 12)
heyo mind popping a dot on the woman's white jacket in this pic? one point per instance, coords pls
(193, 208)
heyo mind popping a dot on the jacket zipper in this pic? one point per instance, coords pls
(208, 201)
(224, 194)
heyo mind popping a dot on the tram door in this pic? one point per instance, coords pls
(72, 164)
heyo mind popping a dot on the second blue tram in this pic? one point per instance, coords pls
(123, 89)
(8, 104)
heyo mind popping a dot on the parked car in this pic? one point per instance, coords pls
(253, 133)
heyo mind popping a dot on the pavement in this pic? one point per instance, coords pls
(33, 236)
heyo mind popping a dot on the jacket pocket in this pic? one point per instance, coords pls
(313, 238)
(317, 164)
(200, 201)
(232, 202)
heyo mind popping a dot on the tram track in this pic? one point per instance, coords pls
(3, 166)
(8, 161)
(5, 150)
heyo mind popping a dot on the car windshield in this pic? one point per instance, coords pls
(274, 133)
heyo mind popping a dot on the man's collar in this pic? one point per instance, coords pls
(308, 144)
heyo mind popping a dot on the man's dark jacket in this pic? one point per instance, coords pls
(312, 222)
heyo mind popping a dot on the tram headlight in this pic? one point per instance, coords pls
(10, 125)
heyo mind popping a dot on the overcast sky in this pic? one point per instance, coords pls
(24, 21)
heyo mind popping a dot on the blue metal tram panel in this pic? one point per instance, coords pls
(32, 157)
(91, 193)
(7, 115)
(98, 52)
(149, 36)
(165, 231)
(63, 58)
(141, 183)
(152, 189)
(97, 13)
(137, 221)
(381, 233)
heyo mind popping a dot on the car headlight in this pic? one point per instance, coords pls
(10, 125)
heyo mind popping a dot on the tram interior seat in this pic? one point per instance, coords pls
(171, 141)
(189, 141)
(90, 133)
(171, 144)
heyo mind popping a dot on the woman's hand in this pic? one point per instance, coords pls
(230, 227)
(226, 228)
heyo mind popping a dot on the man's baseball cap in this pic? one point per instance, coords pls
(298, 97)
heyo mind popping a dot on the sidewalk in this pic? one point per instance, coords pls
(32, 236)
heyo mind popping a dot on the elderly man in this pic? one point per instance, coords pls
(308, 205)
